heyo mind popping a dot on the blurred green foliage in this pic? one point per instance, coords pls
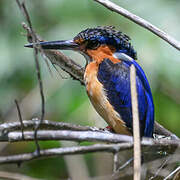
(67, 101)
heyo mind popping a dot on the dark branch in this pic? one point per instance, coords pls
(20, 116)
(24, 11)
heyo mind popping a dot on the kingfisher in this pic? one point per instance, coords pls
(109, 55)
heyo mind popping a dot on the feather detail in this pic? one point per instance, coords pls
(115, 78)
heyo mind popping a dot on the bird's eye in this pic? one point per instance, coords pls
(93, 45)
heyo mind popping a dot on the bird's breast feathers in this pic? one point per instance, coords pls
(98, 98)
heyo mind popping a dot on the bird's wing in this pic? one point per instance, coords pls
(116, 82)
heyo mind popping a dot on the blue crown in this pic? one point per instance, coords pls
(108, 35)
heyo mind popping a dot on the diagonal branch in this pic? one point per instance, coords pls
(140, 21)
(56, 57)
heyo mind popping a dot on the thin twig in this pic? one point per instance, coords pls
(20, 117)
(160, 168)
(172, 173)
(125, 164)
(42, 97)
(136, 126)
(38, 72)
(24, 11)
(138, 20)
(115, 161)
(116, 174)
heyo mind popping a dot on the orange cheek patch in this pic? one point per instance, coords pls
(101, 53)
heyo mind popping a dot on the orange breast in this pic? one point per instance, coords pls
(99, 100)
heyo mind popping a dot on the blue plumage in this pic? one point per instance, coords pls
(116, 81)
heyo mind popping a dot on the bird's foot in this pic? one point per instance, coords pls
(108, 129)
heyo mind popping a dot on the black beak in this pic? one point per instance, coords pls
(62, 45)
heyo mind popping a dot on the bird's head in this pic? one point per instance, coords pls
(95, 43)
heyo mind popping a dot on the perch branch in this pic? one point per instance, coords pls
(76, 134)
(66, 135)
(138, 20)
